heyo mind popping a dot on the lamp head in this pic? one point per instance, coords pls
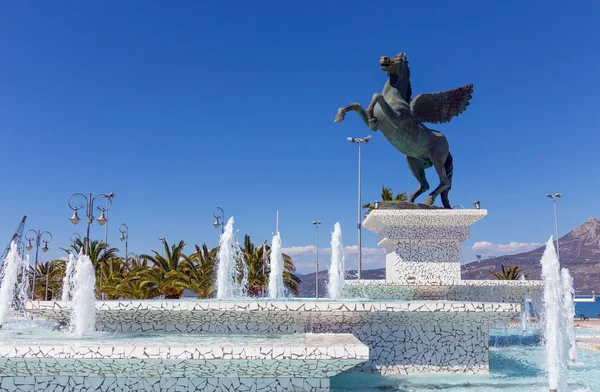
(122, 237)
(102, 219)
(45, 248)
(559, 195)
(367, 138)
(216, 224)
(28, 246)
(75, 218)
(477, 205)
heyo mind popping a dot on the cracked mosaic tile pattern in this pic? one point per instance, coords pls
(463, 290)
(378, 220)
(389, 329)
(176, 384)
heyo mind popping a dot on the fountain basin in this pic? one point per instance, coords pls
(403, 337)
(461, 290)
(304, 360)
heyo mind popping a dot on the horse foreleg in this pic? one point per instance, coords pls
(438, 160)
(387, 110)
(341, 114)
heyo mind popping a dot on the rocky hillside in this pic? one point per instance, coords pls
(579, 252)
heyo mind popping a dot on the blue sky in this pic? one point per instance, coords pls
(182, 107)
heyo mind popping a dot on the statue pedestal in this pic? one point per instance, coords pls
(422, 245)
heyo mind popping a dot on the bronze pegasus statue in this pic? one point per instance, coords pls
(401, 119)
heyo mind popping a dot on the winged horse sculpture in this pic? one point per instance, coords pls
(401, 119)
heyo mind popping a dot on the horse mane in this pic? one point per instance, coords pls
(402, 58)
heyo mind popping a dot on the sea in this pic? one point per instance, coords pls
(590, 309)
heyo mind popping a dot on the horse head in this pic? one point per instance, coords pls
(399, 73)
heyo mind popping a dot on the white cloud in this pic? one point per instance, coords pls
(485, 248)
(304, 257)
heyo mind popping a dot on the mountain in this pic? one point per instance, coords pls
(579, 252)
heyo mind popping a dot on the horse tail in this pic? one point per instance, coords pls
(449, 166)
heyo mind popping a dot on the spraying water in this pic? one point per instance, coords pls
(23, 286)
(9, 281)
(569, 312)
(67, 287)
(525, 312)
(337, 267)
(552, 305)
(276, 286)
(83, 316)
(232, 280)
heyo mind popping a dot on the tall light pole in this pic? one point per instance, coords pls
(219, 219)
(554, 197)
(124, 229)
(360, 142)
(110, 196)
(317, 223)
(89, 214)
(37, 236)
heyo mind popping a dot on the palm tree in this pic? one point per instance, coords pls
(166, 275)
(132, 288)
(201, 269)
(508, 273)
(49, 274)
(114, 271)
(258, 273)
(386, 195)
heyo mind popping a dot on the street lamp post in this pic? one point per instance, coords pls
(37, 236)
(554, 197)
(134, 256)
(110, 196)
(124, 229)
(219, 219)
(317, 223)
(360, 142)
(89, 213)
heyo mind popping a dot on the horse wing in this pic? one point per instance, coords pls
(440, 107)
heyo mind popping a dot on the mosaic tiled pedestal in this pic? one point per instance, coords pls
(422, 246)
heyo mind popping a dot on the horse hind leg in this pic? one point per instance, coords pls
(449, 166)
(417, 167)
(439, 161)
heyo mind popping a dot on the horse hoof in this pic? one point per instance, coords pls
(339, 118)
(429, 201)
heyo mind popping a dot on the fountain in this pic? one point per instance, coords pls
(276, 286)
(8, 281)
(232, 274)
(552, 306)
(23, 286)
(67, 286)
(337, 268)
(525, 318)
(83, 317)
(568, 313)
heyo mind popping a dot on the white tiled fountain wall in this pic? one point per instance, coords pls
(271, 365)
(463, 290)
(403, 337)
(178, 384)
